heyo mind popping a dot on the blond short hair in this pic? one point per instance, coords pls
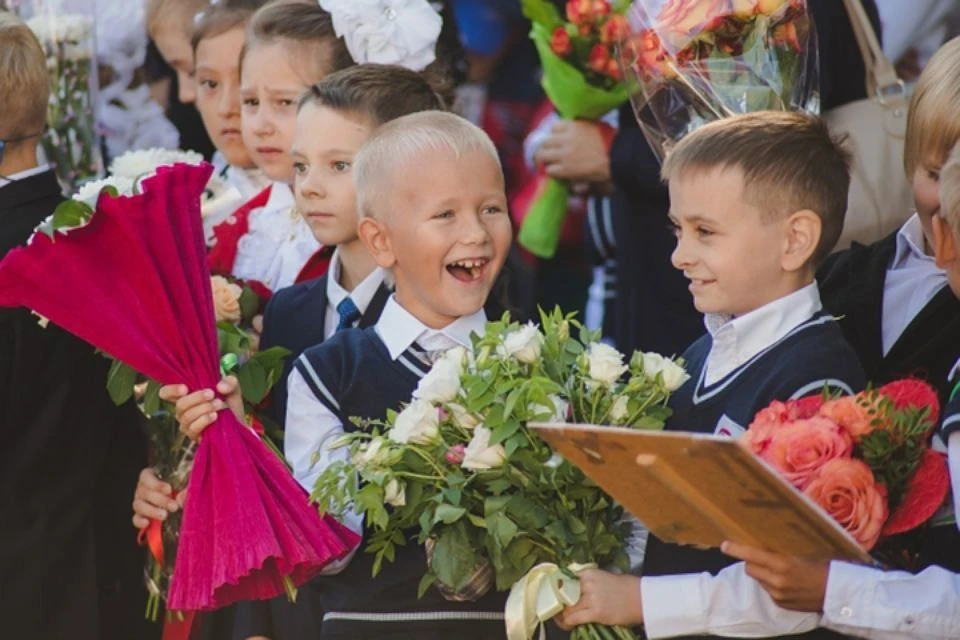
(790, 162)
(950, 191)
(23, 79)
(400, 141)
(933, 120)
(179, 14)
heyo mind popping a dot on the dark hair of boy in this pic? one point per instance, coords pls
(221, 17)
(790, 162)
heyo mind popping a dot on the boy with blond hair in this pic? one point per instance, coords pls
(66, 447)
(758, 202)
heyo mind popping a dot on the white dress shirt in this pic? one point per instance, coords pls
(278, 244)
(27, 173)
(737, 340)
(310, 425)
(912, 281)
(229, 189)
(361, 295)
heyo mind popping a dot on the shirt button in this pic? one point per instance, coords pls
(846, 612)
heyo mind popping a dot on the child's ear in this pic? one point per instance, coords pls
(802, 235)
(373, 234)
(944, 242)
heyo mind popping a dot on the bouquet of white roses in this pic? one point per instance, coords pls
(463, 474)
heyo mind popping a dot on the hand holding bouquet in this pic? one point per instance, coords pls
(458, 470)
(581, 76)
(865, 459)
(689, 62)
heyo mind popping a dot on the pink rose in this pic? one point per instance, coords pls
(858, 415)
(226, 300)
(798, 450)
(681, 21)
(454, 454)
(846, 490)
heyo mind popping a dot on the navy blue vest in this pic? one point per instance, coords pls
(353, 374)
(812, 355)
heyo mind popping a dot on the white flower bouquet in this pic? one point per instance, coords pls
(461, 473)
(72, 143)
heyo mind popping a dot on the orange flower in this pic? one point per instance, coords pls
(560, 42)
(613, 71)
(647, 57)
(785, 35)
(614, 30)
(579, 11)
(598, 58)
(858, 415)
(846, 490)
(600, 8)
(681, 21)
(748, 8)
(798, 450)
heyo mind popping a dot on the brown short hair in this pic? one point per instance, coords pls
(933, 120)
(221, 17)
(177, 13)
(790, 162)
(304, 25)
(23, 80)
(381, 92)
(950, 191)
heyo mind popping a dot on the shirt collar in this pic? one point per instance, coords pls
(753, 332)
(910, 244)
(398, 328)
(281, 196)
(23, 175)
(361, 295)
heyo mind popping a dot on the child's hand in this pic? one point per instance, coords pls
(198, 410)
(793, 583)
(153, 499)
(605, 598)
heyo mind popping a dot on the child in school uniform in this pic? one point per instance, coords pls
(758, 201)
(866, 601)
(431, 195)
(891, 299)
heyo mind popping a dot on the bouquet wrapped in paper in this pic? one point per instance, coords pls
(582, 78)
(689, 62)
(865, 458)
(130, 277)
(66, 32)
(458, 470)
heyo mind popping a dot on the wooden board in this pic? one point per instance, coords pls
(701, 490)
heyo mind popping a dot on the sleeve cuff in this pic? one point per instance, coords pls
(673, 605)
(850, 592)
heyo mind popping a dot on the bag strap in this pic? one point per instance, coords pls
(881, 78)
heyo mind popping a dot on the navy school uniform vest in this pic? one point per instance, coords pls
(812, 355)
(353, 375)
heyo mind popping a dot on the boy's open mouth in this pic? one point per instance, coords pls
(469, 270)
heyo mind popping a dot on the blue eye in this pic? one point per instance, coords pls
(340, 166)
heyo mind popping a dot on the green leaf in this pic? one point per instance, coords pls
(454, 558)
(543, 12)
(502, 528)
(151, 399)
(120, 382)
(249, 305)
(231, 339)
(427, 581)
(253, 381)
(448, 514)
(70, 214)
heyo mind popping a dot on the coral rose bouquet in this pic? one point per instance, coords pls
(865, 458)
(689, 62)
(582, 78)
(457, 468)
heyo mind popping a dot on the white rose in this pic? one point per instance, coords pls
(673, 375)
(402, 32)
(395, 494)
(524, 344)
(372, 454)
(604, 363)
(419, 423)
(462, 418)
(557, 412)
(619, 410)
(479, 455)
(442, 382)
(135, 164)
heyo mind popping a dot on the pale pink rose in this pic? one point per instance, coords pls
(798, 450)
(226, 300)
(847, 491)
(681, 21)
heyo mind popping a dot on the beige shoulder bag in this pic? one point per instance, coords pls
(880, 196)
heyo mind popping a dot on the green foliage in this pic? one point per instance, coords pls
(120, 382)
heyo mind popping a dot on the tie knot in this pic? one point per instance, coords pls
(348, 312)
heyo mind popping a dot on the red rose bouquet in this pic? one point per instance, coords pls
(582, 78)
(865, 459)
(689, 62)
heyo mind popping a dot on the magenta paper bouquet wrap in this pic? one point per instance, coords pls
(134, 283)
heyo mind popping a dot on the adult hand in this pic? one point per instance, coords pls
(794, 583)
(575, 150)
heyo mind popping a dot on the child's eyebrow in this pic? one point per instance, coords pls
(282, 91)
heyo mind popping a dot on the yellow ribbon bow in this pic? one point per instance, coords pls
(541, 594)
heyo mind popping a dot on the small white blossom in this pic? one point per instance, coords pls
(395, 493)
(89, 192)
(136, 164)
(604, 363)
(673, 375)
(480, 455)
(442, 382)
(619, 411)
(524, 344)
(419, 423)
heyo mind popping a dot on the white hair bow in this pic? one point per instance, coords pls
(402, 32)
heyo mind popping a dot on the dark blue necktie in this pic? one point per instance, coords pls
(349, 314)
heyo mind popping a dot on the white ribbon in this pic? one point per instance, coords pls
(541, 594)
